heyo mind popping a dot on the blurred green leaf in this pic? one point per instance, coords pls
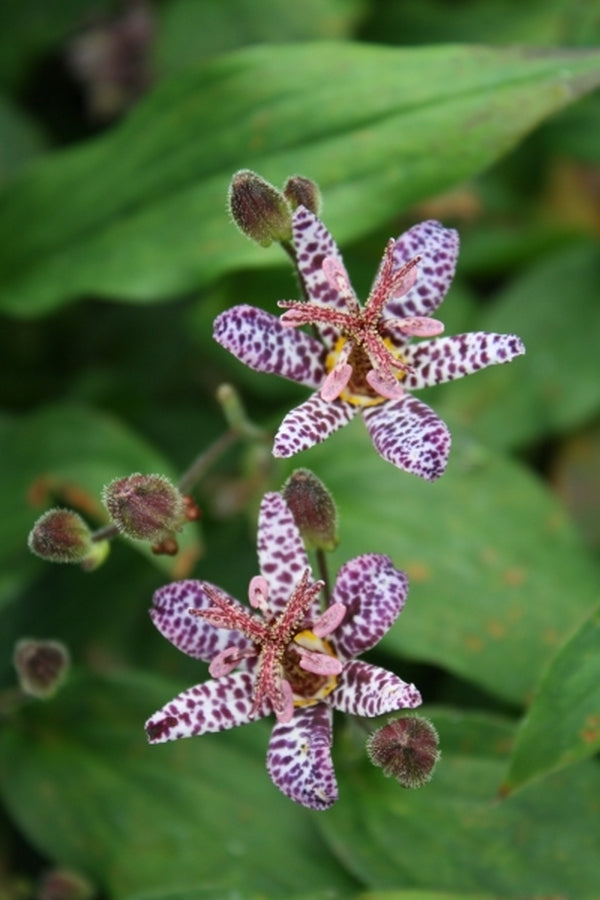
(541, 842)
(21, 138)
(575, 476)
(83, 785)
(562, 725)
(189, 30)
(63, 456)
(497, 570)
(555, 386)
(138, 214)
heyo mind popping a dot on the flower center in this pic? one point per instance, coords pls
(358, 391)
(307, 687)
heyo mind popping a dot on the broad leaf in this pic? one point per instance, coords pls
(138, 214)
(541, 842)
(563, 724)
(84, 786)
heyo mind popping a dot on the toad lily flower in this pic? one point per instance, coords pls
(292, 659)
(362, 360)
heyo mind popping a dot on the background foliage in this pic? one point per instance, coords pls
(116, 253)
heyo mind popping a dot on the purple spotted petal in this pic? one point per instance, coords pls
(216, 705)
(449, 358)
(373, 591)
(408, 434)
(365, 690)
(281, 554)
(190, 634)
(438, 248)
(299, 758)
(310, 423)
(259, 340)
(313, 243)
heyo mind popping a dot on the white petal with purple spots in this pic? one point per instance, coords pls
(299, 758)
(449, 358)
(438, 248)
(310, 423)
(191, 634)
(259, 340)
(373, 591)
(281, 554)
(213, 706)
(409, 435)
(365, 690)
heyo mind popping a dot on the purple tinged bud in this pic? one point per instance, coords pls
(301, 191)
(406, 749)
(145, 507)
(313, 509)
(60, 535)
(41, 666)
(63, 884)
(260, 211)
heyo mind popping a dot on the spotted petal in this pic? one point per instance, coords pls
(365, 690)
(409, 435)
(310, 423)
(449, 358)
(259, 340)
(215, 705)
(299, 758)
(281, 554)
(373, 591)
(191, 634)
(438, 248)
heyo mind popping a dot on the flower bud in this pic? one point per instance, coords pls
(41, 666)
(260, 211)
(301, 191)
(313, 509)
(145, 507)
(60, 535)
(406, 749)
(63, 884)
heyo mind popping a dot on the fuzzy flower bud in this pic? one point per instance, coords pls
(63, 884)
(41, 666)
(260, 211)
(145, 507)
(60, 535)
(301, 191)
(313, 509)
(406, 749)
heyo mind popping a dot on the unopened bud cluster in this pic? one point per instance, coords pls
(313, 509)
(41, 666)
(406, 749)
(264, 213)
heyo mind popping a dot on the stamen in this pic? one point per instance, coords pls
(329, 621)
(319, 663)
(336, 275)
(258, 594)
(226, 661)
(416, 326)
(388, 389)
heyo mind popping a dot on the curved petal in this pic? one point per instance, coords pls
(438, 248)
(373, 591)
(365, 690)
(259, 340)
(281, 554)
(409, 435)
(449, 358)
(216, 705)
(310, 423)
(299, 758)
(191, 634)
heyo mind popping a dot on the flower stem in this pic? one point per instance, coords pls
(324, 575)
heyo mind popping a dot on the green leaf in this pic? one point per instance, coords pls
(541, 842)
(497, 570)
(555, 386)
(138, 214)
(63, 456)
(83, 785)
(562, 725)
